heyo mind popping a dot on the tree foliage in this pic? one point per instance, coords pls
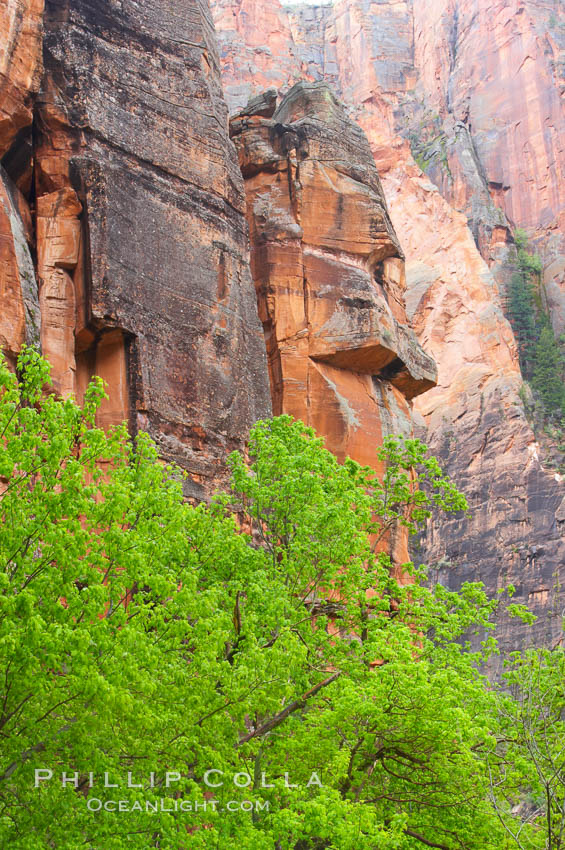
(528, 767)
(547, 379)
(523, 299)
(264, 635)
(522, 313)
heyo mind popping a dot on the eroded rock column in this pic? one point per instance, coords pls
(59, 243)
(329, 275)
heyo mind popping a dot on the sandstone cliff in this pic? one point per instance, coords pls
(121, 178)
(410, 68)
(329, 274)
(124, 244)
(123, 182)
(20, 76)
(494, 73)
(132, 202)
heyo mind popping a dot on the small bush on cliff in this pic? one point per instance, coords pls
(172, 680)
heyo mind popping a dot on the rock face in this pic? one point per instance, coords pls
(476, 85)
(139, 225)
(138, 229)
(326, 261)
(124, 240)
(408, 74)
(329, 274)
(475, 421)
(495, 70)
(19, 319)
(20, 68)
(20, 76)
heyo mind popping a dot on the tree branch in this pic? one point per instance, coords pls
(425, 841)
(290, 709)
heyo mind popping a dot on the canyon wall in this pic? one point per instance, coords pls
(121, 181)
(329, 275)
(492, 76)
(409, 75)
(122, 184)
(20, 77)
(119, 159)
(124, 228)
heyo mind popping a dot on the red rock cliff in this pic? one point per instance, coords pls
(406, 70)
(494, 71)
(121, 177)
(329, 275)
(119, 164)
(124, 245)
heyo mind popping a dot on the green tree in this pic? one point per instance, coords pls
(262, 636)
(527, 771)
(529, 264)
(547, 379)
(523, 307)
(522, 315)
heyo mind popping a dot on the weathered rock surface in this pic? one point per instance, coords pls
(19, 313)
(329, 274)
(20, 67)
(120, 181)
(475, 418)
(140, 229)
(476, 84)
(496, 69)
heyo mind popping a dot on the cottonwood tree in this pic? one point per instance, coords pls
(527, 771)
(262, 636)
